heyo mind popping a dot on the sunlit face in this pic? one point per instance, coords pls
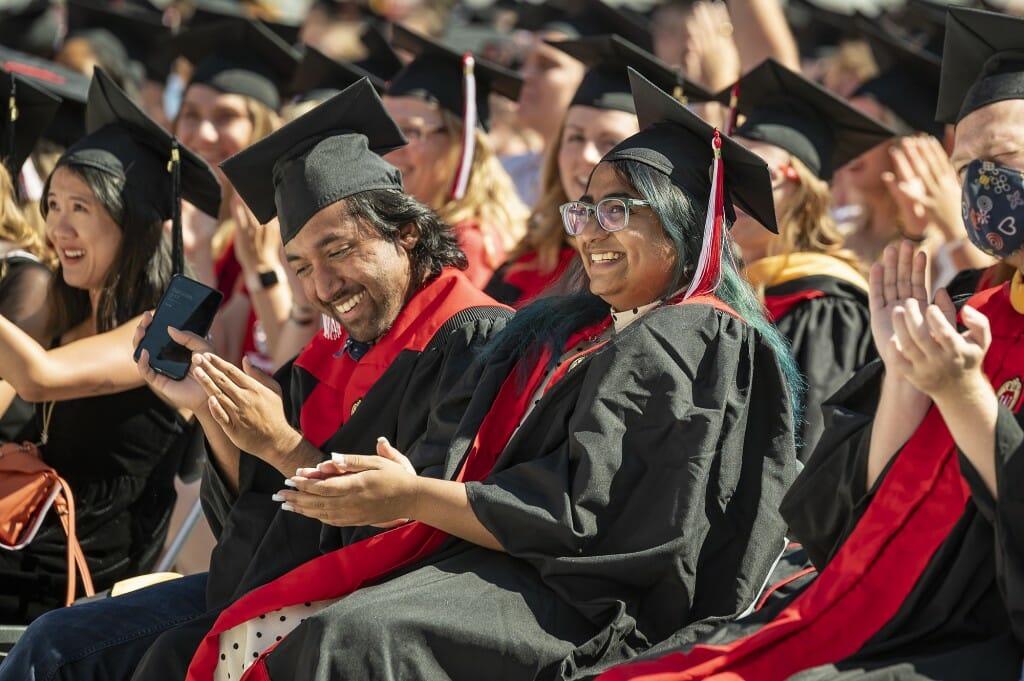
(864, 173)
(550, 78)
(350, 272)
(992, 133)
(426, 162)
(630, 267)
(753, 239)
(85, 237)
(214, 124)
(588, 135)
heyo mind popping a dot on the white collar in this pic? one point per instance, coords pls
(623, 319)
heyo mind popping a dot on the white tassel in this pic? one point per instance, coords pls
(708, 273)
(469, 120)
(331, 328)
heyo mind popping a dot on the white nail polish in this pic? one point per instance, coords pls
(338, 458)
(287, 507)
(289, 482)
(276, 497)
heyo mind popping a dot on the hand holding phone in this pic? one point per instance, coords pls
(186, 305)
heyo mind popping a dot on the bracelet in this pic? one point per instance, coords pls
(915, 239)
(301, 321)
(301, 315)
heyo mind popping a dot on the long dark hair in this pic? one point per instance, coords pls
(389, 211)
(141, 269)
(548, 322)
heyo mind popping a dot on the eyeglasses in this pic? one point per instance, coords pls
(612, 214)
(419, 134)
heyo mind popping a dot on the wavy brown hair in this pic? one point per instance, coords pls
(15, 226)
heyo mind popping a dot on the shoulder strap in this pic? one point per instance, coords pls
(466, 316)
(65, 505)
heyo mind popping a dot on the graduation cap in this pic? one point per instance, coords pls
(323, 156)
(123, 141)
(138, 32)
(908, 84)
(239, 56)
(29, 110)
(595, 17)
(785, 109)
(605, 83)
(676, 142)
(982, 62)
(68, 125)
(816, 28)
(381, 60)
(318, 76)
(215, 11)
(436, 74)
(32, 27)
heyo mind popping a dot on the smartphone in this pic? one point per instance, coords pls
(186, 305)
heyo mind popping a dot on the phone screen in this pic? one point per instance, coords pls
(186, 305)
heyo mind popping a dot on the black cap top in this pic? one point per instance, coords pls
(68, 125)
(122, 140)
(318, 74)
(436, 75)
(594, 17)
(815, 28)
(675, 141)
(785, 109)
(321, 157)
(241, 57)
(605, 84)
(214, 11)
(908, 84)
(381, 60)
(982, 62)
(21, 128)
(141, 33)
(33, 27)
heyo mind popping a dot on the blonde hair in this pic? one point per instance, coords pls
(545, 234)
(16, 228)
(264, 121)
(491, 198)
(806, 226)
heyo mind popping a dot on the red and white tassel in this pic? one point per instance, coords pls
(708, 274)
(733, 113)
(331, 328)
(469, 119)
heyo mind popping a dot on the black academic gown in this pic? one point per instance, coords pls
(963, 618)
(820, 304)
(638, 496)
(256, 540)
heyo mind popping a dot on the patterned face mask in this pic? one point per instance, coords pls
(993, 207)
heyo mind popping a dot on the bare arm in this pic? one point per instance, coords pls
(101, 364)
(761, 31)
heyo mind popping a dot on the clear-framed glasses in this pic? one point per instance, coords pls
(612, 214)
(415, 134)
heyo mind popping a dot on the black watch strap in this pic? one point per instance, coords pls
(268, 278)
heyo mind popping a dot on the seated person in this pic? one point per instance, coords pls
(107, 434)
(616, 475)
(910, 506)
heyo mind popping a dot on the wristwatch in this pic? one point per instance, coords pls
(268, 278)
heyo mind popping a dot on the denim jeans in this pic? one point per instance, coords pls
(104, 639)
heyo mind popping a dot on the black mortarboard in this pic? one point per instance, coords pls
(141, 33)
(33, 109)
(215, 11)
(908, 83)
(319, 76)
(785, 109)
(122, 140)
(816, 28)
(241, 57)
(325, 155)
(381, 60)
(595, 17)
(436, 75)
(605, 83)
(32, 27)
(675, 141)
(982, 62)
(68, 125)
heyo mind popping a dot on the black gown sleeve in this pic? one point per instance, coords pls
(830, 495)
(674, 446)
(831, 340)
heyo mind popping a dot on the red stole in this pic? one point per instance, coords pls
(345, 570)
(525, 275)
(778, 306)
(343, 382)
(916, 506)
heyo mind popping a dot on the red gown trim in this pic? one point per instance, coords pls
(862, 588)
(779, 306)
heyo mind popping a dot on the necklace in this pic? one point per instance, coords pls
(47, 415)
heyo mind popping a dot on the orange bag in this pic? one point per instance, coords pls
(28, 488)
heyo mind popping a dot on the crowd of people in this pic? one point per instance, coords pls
(558, 341)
